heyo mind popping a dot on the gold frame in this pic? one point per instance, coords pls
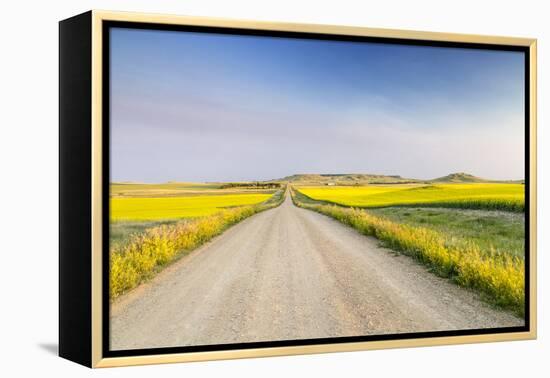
(99, 16)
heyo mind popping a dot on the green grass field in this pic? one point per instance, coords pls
(508, 197)
(500, 231)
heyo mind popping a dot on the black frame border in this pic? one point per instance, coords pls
(107, 25)
(75, 194)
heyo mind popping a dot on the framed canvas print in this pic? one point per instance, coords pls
(235, 189)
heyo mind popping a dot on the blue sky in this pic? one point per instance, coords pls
(212, 107)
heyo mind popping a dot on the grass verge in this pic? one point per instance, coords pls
(498, 277)
(502, 231)
(148, 252)
(121, 232)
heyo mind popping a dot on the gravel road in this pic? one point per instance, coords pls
(290, 273)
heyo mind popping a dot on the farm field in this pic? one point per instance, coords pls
(443, 226)
(170, 188)
(137, 207)
(163, 208)
(509, 197)
(324, 278)
(149, 232)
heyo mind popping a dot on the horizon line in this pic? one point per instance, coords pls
(304, 174)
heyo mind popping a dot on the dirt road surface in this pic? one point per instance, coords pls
(290, 273)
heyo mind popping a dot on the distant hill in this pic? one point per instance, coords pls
(345, 179)
(459, 177)
(366, 178)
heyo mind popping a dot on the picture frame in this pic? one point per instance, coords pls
(84, 104)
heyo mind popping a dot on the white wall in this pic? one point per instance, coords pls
(28, 155)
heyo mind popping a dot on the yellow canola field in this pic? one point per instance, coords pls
(162, 208)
